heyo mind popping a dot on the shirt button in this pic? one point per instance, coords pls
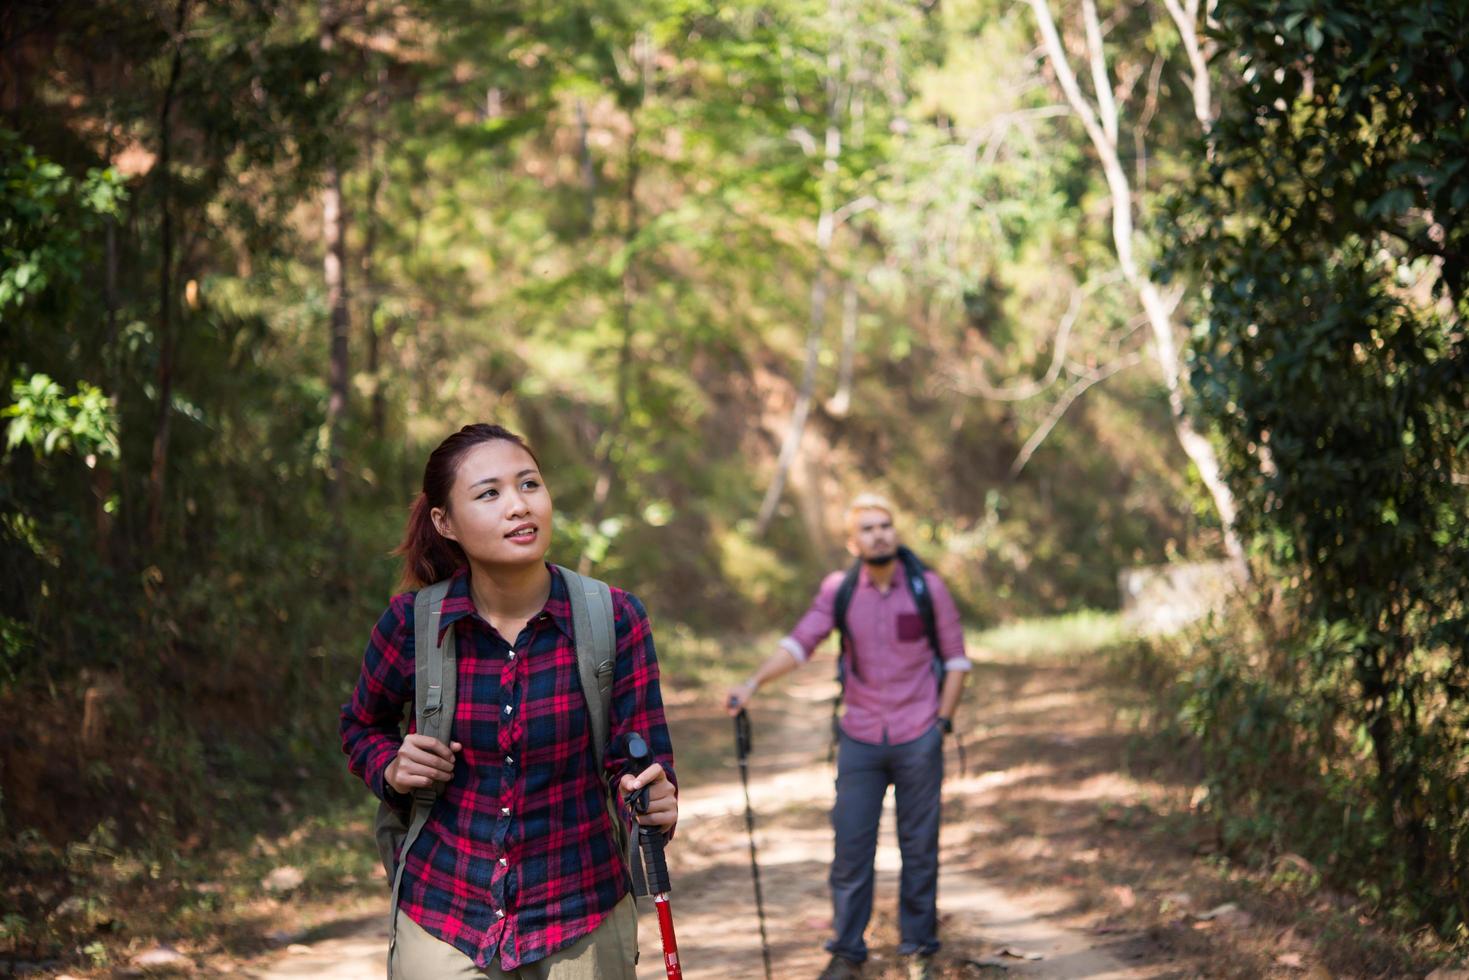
(507, 709)
(499, 913)
(502, 863)
(504, 811)
(509, 760)
(512, 654)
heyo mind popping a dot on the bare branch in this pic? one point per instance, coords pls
(980, 384)
(802, 137)
(865, 203)
(1112, 167)
(1199, 84)
(1065, 402)
(1101, 80)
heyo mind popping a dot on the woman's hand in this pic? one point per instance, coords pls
(662, 799)
(421, 761)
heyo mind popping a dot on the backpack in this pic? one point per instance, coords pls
(913, 570)
(435, 678)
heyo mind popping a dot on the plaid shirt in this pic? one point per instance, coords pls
(517, 859)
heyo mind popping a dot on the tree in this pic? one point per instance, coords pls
(1100, 119)
(1330, 228)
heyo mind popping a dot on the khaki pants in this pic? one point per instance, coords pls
(608, 953)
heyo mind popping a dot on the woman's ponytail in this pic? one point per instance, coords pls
(428, 556)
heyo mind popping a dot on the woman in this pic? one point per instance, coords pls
(516, 873)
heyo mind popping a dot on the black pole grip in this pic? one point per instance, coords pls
(655, 865)
(637, 754)
(742, 736)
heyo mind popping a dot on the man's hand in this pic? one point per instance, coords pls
(662, 799)
(421, 761)
(739, 696)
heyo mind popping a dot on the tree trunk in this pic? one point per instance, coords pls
(370, 286)
(825, 227)
(334, 269)
(166, 341)
(334, 275)
(605, 465)
(841, 403)
(1100, 122)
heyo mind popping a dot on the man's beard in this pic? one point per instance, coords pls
(880, 560)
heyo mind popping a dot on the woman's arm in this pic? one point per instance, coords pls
(370, 721)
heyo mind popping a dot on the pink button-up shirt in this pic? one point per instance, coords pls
(895, 699)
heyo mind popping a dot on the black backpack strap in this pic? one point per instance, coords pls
(913, 571)
(839, 620)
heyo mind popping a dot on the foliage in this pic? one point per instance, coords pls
(43, 416)
(1334, 365)
(594, 223)
(45, 218)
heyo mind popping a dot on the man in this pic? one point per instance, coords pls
(891, 733)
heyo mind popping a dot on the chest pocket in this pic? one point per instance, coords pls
(910, 627)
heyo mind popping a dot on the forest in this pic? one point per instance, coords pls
(1082, 286)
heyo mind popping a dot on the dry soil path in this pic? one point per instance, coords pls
(1040, 766)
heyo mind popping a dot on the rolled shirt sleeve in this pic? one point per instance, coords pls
(951, 631)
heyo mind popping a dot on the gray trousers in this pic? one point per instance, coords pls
(915, 770)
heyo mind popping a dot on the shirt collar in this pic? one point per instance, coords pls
(900, 576)
(459, 602)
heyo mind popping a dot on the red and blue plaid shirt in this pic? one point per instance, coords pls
(518, 858)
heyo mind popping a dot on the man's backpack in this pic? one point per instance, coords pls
(913, 570)
(435, 676)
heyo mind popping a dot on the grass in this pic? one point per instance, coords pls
(1058, 636)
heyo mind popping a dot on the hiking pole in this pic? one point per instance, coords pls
(649, 867)
(742, 751)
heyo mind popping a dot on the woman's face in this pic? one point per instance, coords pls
(499, 510)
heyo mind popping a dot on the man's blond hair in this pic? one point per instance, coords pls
(868, 500)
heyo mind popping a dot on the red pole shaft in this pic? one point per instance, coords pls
(670, 941)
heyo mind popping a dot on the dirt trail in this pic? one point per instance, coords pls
(1020, 830)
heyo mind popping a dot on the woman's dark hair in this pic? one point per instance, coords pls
(428, 556)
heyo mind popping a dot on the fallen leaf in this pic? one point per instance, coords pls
(1018, 954)
(283, 879)
(1292, 960)
(1124, 894)
(1448, 973)
(162, 956)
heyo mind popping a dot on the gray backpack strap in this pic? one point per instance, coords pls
(596, 650)
(435, 681)
(595, 633)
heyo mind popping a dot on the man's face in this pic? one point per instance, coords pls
(873, 537)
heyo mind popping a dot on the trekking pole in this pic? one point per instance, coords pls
(650, 868)
(742, 751)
